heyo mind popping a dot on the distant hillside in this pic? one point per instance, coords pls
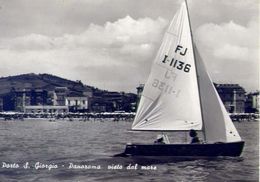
(99, 100)
(40, 81)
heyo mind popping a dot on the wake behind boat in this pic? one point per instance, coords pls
(180, 96)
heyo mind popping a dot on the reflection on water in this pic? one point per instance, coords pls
(92, 145)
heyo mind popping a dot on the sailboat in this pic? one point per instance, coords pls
(180, 96)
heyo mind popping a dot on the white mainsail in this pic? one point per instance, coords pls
(179, 94)
(170, 99)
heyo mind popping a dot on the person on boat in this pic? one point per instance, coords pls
(195, 138)
(159, 140)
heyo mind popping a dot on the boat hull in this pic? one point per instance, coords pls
(208, 150)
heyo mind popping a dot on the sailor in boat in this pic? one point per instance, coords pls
(195, 138)
(162, 139)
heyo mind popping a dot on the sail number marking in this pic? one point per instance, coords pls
(180, 65)
(164, 87)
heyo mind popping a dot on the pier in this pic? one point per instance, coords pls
(238, 117)
(112, 116)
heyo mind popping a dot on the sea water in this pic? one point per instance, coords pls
(39, 150)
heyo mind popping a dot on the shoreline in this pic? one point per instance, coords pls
(114, 116)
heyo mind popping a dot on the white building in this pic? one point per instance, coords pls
(256, 101)
(46, 109)
(77, 103)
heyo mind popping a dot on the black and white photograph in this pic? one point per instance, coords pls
(129, 90)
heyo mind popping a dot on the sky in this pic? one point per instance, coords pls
(111, 44)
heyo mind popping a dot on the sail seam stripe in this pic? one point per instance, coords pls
(166, 67)
(172, 34)
(148, 98)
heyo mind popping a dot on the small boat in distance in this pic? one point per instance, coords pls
(180, 96)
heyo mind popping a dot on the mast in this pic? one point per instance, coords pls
(202, 117)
